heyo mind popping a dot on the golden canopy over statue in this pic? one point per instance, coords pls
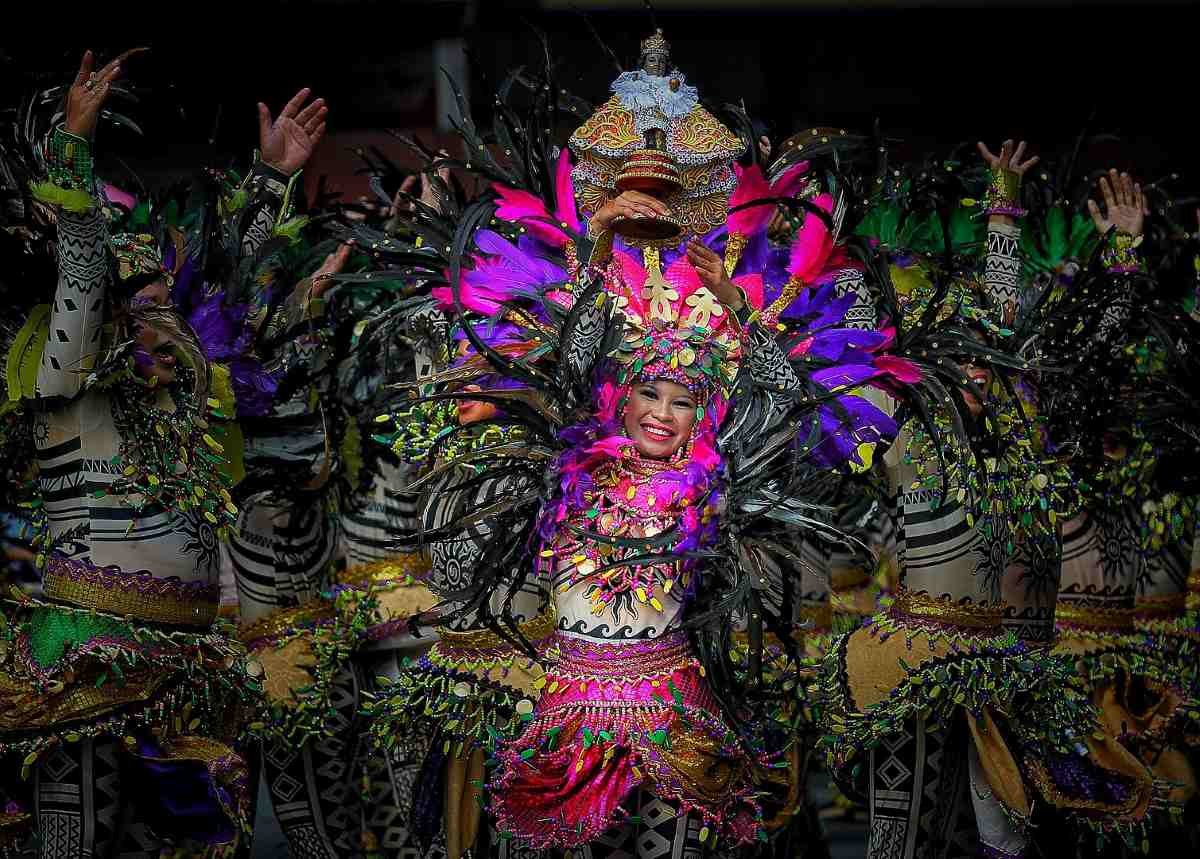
(655, 102)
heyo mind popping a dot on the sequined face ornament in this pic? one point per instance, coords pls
(659, 417)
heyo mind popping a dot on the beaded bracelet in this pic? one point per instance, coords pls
(69, 160)
(69, 167)
(1120, 255)
(1003, 193)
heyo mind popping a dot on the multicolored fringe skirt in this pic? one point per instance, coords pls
(1032, 726)
(475, 687)
(471, 689)
(1172, 632)
(782, 732)
(614, 717)
(139, 660)
(1139, 684)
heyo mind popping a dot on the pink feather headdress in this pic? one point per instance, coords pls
(749, 212)
(551, 228)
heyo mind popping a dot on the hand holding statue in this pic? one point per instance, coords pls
(628, 204)
(711, 269)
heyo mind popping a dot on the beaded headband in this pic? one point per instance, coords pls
(137, 254)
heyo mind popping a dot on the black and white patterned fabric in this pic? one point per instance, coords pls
(81, 808)
(78, 439)
(314, 787)
(282, 552)
(1002, 267)
(862, 313)
(920, 803)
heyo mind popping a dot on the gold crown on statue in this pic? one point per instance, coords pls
(656, 45)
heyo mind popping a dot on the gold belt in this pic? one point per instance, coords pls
(945, 610)
(1094, 617)
(137, 595)
(389, 571)
(284, 620)
(1160, 607)
(485, 639)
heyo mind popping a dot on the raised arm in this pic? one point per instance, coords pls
(756, 419)
(285, 144)
(1002, 268)
(77, 315)
(582, 342)
(1120, 224)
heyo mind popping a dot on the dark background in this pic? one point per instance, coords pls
(933, 74)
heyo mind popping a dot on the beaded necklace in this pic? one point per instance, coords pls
(1025, 491)
(168, 456)
(633, 498)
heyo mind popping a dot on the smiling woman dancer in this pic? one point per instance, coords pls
(668, 385)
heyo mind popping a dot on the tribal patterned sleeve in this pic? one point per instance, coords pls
(862, 313)
(266, 202)
(583, 340)
(1121, 256)
(1002, 267)
(1111, 330)
(266, 209)
(76, 321)
(756, 417)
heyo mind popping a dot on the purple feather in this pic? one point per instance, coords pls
(221, 328)
(253, 387)
(819, 308)
(844, 429)
(844, 345)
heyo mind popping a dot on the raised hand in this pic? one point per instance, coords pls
(287, 142)
(711, 270)
(322, 278)
(1009, 158)
(764, 149)
(89, 91)
(1124, 205)
(428, 194)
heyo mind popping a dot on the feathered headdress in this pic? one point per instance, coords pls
(675, 328)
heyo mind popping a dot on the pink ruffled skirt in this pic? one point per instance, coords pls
(612, 718)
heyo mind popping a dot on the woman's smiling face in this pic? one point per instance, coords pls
(659, 417)
(982, 377)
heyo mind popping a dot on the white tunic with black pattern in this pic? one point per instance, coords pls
(77, 439)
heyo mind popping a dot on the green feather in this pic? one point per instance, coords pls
(25, 354)
(68, 199)
(292, 227)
